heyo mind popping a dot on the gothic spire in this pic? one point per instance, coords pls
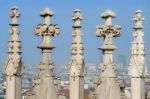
(14, 67)
(107, 85)
(45, 86)
(77, 66)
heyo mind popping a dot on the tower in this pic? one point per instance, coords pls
(137, 66)
(14, 68)
(107, 86)
(44, 81)
(76, 68)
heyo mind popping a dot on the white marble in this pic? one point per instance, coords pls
(107, 84)
(44, 82)
(76, 67)
(137, 66)
(14, 67)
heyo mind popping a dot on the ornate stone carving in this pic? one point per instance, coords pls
(137, 67)
(14, 14)
(47, 30)
(76, 69)
(77, 62)
(36, 85)
(77, 17)
(138, 19)
(108, 30)
(92, 95)
(14, 67)
(14, 64)
(45, 86)
(107, 86)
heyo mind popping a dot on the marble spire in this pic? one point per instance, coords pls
(107, 85)
(44, 83)
(137, 66)
(14, 67)
(76, 68)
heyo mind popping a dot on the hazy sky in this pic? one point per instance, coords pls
(91, 10)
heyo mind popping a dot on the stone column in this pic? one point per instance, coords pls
(44, 84)
(14, 67)
(137, 66)
(107, 86)
(76, 67)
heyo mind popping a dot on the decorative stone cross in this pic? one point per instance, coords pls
(47, 30)
(108, 30)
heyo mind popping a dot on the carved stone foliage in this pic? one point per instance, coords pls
(77, 65)
(14, 67)
(14, 64)
(47, 30)
(107, 85)
(76, 69)
(92, 95)
(108, 31)
(45, 84)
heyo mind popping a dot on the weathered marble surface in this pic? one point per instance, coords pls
(76, 67)
(14, 67)
(107, 84)
(137, 66)
(44, 82)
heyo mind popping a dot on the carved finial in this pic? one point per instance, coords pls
(47, 29)
(108, 15)
(77, 17)
(47, 13)
(14, 65)
(138, 19)
(14, 14)
(108, 30)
